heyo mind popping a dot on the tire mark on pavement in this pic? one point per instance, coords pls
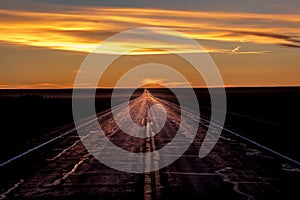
(4, 195)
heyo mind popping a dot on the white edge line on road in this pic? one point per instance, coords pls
(249, 140)
(58, 137)
(33, 149)
(43, 144)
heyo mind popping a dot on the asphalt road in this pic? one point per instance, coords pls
(58, 166)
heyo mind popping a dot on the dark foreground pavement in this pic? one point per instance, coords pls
(64, 169)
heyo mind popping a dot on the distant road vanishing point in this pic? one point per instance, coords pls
(60, 167)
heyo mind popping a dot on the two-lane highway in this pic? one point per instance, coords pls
(62, 168)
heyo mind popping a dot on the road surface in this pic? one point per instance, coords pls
(59, 166)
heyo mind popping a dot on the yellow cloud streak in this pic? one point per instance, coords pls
(215, 15)
(83, 28)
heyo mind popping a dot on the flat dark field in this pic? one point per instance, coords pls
(266, 115)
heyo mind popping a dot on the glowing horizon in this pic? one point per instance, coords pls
(43, 87)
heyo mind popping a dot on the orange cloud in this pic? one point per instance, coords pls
(83, 28)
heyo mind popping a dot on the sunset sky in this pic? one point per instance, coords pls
(254, 43)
